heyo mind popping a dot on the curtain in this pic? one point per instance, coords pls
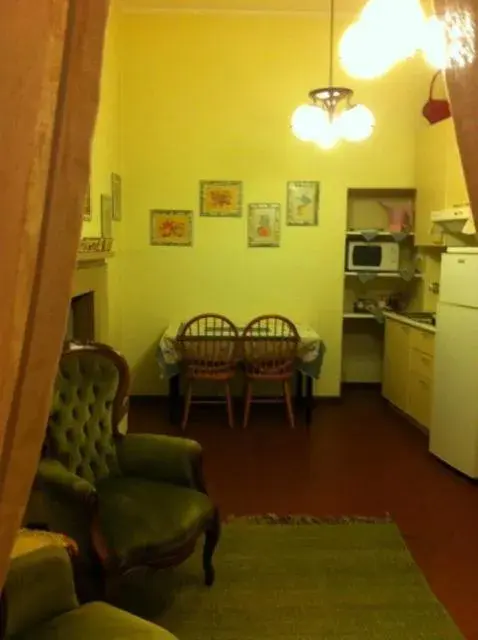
(463, 92)
(49, 92)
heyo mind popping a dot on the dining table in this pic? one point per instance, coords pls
(310, 357)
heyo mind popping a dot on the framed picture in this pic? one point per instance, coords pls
(87, 204)
(171, 228)
(106, 216)
(116, 196)
(303, 203)
(263, 225)
(221, 199)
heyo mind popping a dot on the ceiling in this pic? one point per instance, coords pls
(260, 6)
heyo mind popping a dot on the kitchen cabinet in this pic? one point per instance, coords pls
(420, 400)
(396, 363)
(440, 181)
(408, 370)
(421, 379)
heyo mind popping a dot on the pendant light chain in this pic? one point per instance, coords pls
(323, 121)
(331, 43)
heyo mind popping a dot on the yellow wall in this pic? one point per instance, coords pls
(210, 97)
(430, 257)
(106, 158)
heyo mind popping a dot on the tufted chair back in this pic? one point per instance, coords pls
(90, 399)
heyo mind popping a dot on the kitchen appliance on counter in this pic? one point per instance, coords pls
(454, 424)
(372, 256)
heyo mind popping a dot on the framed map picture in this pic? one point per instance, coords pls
(106, 216)
(221, 199)
(263, 225)
(87, 204)
(172, 228)
(116, 195)
(303, 203)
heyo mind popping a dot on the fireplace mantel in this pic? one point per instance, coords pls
(87, 257)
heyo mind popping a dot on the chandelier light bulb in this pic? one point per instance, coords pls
(389, 31)
(434, 43)
(460, 36)
(358, 52)
(386, 33)
(357, 123)
(376, 10)
(306, 121)
(407, 16)
(328, 134)
(450, 41)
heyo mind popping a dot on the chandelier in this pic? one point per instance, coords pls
(388, 32)
(331, 115)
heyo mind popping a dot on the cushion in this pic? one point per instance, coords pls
(142, 518)
(96, 621)
(39, 586)
(80, 429)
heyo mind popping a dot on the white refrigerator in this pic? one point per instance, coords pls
(454, 424)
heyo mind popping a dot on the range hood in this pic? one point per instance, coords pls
(458, 220)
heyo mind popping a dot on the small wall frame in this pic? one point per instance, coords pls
(303, 203)
(220, 199)
(263, 224)
(116, 194)
(106, 216)
(87, 213)
(171, 227)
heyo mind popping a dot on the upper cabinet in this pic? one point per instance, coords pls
(440, 181)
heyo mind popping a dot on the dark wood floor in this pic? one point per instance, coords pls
(358, 458)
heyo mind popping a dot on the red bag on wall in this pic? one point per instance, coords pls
(436, 110)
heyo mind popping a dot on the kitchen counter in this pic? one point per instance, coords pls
(408, 366)
(410, 321)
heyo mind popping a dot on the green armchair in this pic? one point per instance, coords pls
(39, 603)
(134, 500)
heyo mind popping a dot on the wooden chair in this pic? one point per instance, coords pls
(270, 346)
(208, 347)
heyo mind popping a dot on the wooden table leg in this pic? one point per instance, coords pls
(309, 399)
(174, 400)
(298, 389)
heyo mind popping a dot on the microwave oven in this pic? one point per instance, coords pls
(372, 256)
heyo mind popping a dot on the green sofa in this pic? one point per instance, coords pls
(127, 500)
(39, 603)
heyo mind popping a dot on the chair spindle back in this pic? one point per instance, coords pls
(270, 346)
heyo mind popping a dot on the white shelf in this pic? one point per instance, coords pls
(364, 316)
(379, 234)
(380, 274)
